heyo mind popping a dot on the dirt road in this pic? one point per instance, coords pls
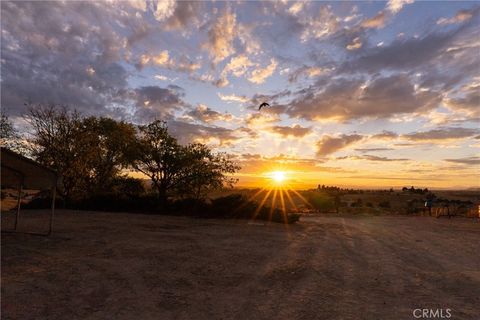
(127, 266)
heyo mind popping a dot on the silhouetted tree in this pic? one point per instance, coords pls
(158, 155)
(88, 153)
(205, 171)
(112, 142)
(189, 170)
(61, 142)
(7, 131)
(10, 138)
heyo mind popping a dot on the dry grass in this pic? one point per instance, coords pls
(126, 266)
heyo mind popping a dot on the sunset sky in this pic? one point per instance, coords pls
(363, 94)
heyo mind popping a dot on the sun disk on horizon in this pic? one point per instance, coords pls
(278, 176)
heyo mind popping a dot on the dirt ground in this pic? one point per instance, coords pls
(131, 266)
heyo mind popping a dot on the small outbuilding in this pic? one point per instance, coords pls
(20, 172)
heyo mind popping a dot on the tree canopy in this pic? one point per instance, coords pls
(93, 154)
(190, 170)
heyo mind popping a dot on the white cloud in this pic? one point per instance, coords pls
(394, 6)
(232, 98)
(163, 9)
(160, 77)
(296, 7)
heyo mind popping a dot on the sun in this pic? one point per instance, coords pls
(278, 176)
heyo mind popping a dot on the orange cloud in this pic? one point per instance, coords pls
(260, 75)
(221, 36)
(328, 144)
(294, 131)
(377, 22)
(461, 16)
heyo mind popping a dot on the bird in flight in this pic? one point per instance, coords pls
(263, 105)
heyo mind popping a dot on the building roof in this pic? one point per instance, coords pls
(16, 169)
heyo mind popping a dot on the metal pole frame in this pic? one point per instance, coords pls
(52, 214)
(19, 204)
(19, 201)
(21, 180)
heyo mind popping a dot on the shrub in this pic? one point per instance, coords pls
(358, 203)
(239, 207)
(44, 201)
(127, 186)
(384, 204)
(234, 206)
(412, 205)
(189, 207)
(321, 201)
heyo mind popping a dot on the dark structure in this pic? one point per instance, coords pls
(20, 172)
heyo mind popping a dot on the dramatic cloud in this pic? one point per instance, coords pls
(325, 67)
(153, 102)
(468, 102)
(442, 134)
(55, 55)
(468, 160)
(328, 144)
(207, 115)
(188, 132)
(409, 53)
(345, 99)
(294, 131)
